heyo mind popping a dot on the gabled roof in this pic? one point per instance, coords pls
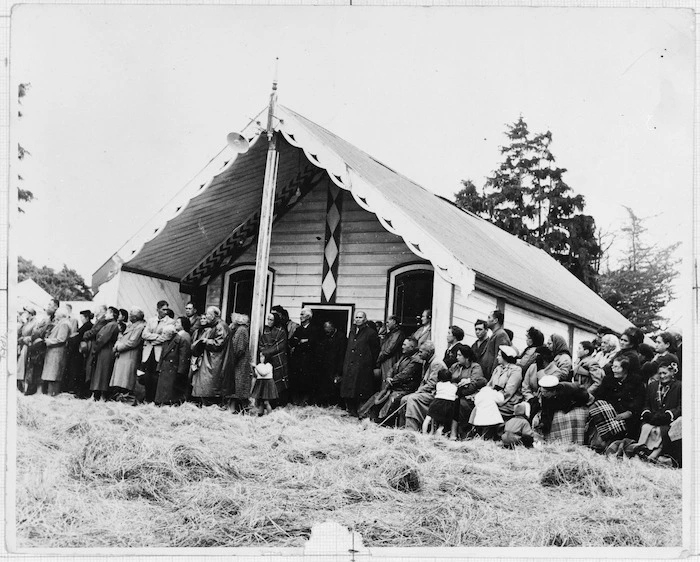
(460, 245)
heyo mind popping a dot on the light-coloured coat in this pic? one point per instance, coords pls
(128, 347)
(55, 359)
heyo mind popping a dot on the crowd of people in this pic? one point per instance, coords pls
(619, 395)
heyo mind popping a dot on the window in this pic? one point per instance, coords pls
(238, 291)
(410, 293)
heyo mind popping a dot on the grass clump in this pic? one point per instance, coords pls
(580, 476)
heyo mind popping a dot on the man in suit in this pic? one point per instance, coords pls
(481, 331)
(418, 402)
(497, 339)
(455, 335)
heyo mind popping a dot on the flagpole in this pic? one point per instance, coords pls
(262, 257)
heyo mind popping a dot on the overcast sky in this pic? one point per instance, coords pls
(127, 103)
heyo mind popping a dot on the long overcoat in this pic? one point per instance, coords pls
(390, 352)
(89, 338)
(104, 356)
(25, 336)
(273, 342)
(128, 347)
(37, 350)
(360, 358)
(173, 366)
(55, 359)
(206, 381)
(237, 369)
(331, 356)
(304, 358)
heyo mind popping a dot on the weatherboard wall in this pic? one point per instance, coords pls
(367, 253)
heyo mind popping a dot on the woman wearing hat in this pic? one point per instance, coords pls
(564, 411)
(507, 378)
(23, 341)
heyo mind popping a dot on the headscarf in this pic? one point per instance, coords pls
(559, 345)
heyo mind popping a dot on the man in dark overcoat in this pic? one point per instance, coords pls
(304, 359)
(360, 358)
(497, 339)
(331, 356)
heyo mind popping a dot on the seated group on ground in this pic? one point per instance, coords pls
(619, 395)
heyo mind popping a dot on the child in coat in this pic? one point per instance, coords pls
(264, 388)
(518, 430)
(443, 409)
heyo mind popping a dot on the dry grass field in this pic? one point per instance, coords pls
(111, 475)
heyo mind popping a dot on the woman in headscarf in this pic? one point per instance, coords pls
(273, 343)
(562, 356)
(662, 406)
(533, 339)
(237, 365)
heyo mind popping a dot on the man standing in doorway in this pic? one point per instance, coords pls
(360, 357)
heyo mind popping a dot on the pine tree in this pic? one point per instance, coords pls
(528, 197)
(642, 285)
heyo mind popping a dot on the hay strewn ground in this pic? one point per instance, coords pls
(110, 475)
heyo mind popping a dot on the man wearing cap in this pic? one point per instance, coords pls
(497, 339)
(418, 402)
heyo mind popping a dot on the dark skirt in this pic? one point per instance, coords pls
(264, 389)
(443, 411)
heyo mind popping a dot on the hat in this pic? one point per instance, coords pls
(548, 381)
(87, 314)
(29, 309)
(508, 350)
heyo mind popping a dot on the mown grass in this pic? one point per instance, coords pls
(110, 475)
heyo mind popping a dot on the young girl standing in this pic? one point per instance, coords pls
(264, 388)
(444, 407)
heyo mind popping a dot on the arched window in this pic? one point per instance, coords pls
(238, 291)
(410, 293)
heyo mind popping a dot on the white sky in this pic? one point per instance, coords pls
(128, 102)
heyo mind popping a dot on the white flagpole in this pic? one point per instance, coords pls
(262, 258)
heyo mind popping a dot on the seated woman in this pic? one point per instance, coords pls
(587, 372)
(562, 356)
(542, 366)
(564, 410)
(619, 401)
(629, 348)
(471, 380)
(665, 347)
(507, 378)
(662, 406)
(534, 339)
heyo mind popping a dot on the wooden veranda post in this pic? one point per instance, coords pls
(262, 257)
